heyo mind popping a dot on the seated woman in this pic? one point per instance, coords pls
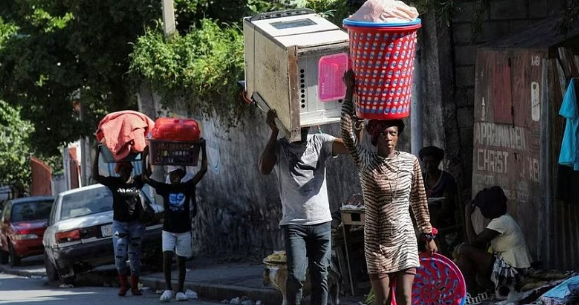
(510, 258)
(443, 197)
(441, 188)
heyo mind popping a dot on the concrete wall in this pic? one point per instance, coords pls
(239, 209)
(500, 18)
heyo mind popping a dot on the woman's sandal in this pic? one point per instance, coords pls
(479, 298)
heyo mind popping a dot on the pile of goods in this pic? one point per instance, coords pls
(277, 257)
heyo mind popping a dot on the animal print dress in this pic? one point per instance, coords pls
(391, 186)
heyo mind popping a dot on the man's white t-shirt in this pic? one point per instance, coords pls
(301, 173)
(510, 245)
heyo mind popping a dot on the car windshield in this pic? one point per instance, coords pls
(30, 211)
(86, 203)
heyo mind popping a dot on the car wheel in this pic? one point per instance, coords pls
(51, 271)
(4, 257)
(14, 259)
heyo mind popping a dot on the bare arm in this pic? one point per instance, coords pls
(477, 240)
(268, 158)
(203, 169)
(419, 205)
(95, 166)
(338, 147)
(348, 117)
(418, 201)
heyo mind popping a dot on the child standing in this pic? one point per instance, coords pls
(177, 223)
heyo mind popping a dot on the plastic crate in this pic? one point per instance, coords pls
(185, 153)
(173, 129)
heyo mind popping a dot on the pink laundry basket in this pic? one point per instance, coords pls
(382, 57)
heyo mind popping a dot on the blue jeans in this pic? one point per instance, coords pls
(307, 246)
(127, 239)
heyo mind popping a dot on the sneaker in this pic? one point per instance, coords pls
(180, 296)
(166, 296)
(191, 294)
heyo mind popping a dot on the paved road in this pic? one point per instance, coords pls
(31, 290)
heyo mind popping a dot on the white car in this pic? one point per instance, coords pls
(79, 232)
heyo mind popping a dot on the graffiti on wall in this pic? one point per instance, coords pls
(502, 157)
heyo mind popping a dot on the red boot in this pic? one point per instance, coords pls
(135, 286)
(124, 285)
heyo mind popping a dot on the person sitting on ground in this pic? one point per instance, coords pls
(176, 235)
(510, 258)
(443, 199)
(441, 188)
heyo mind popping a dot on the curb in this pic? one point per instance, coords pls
(214, 292)
(14, 271)
(218, 292)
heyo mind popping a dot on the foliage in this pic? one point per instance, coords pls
(70, 49)
(260, 6)
(334, 10)
(369, 298)
(202, 65)
(199, 67)
(6, 31)
(64, 47)
(14, 147)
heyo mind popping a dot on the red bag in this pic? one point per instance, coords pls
(172, 129)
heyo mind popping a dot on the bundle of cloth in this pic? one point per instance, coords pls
(124, 132)
(385, 11)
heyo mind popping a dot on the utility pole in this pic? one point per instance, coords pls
(83, 141)
(168, 18)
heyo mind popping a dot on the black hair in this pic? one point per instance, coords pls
(434, 151)
(492, 202)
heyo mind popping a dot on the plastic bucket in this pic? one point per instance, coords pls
(382, 57)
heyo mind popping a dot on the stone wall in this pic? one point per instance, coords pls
(238, 208)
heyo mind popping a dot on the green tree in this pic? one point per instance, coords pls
(14, 147)
(53, 52)
(202, 64)
(66, 47)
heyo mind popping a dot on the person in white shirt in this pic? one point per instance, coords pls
(510, 257)
(306, 219)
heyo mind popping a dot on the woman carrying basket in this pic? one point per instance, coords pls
(391, 184)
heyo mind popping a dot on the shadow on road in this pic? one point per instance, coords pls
(103, 276)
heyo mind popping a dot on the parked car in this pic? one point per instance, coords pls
(22, 226)
(79, 233)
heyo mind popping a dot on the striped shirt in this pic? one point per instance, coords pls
(391, 187)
